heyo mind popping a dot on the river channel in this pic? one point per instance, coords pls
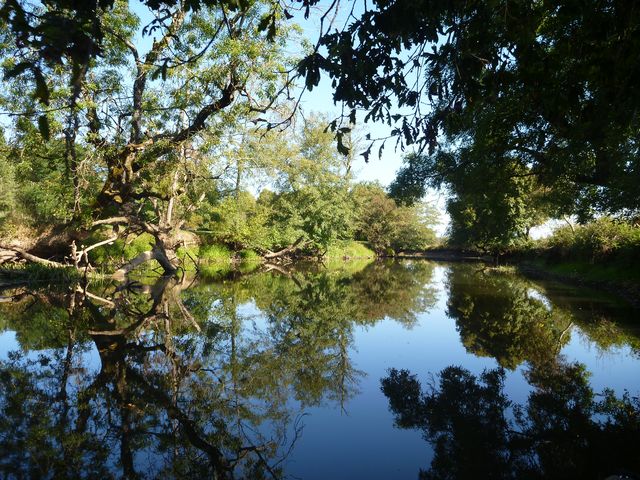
(385, 370)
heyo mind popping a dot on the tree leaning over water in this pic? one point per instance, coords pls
(145, 121)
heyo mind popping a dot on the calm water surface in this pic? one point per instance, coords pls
(398, 370)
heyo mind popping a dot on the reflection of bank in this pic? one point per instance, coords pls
(511, 319)
(564, 430)
(155, 401)
(186, 384)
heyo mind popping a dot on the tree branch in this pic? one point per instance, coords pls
(32, 258)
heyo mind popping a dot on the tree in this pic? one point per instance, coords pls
(492, 205)
(145, 121)
(310, 206)
(548, 89)
(385, 225)
(73, 33)
(499, 316)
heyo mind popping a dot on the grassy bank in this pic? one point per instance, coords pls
(37, 273)
(604, 249)
(604, 253)
(349, 249)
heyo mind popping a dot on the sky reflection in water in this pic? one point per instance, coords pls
(284, 376)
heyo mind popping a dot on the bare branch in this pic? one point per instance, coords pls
(32, 258)
(111, 221)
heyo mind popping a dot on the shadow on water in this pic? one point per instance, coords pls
(184, 379)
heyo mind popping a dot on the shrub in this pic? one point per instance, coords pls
(214, 253)
(604, 239)
(120, 250)
(349, 249)
(249, 256)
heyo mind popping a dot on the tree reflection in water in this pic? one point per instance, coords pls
(513, 320)
(186, 388)
(565, 429)
(155, 407)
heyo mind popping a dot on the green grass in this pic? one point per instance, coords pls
(214, 260)
(347, 249)
(347, 267)
(189, 257)
(35, 272)
(249, 256)
(120, 249)
(614, 271)
(214, 253)
(214, 270)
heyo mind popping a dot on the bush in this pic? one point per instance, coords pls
(122, 250)
(604, 239)
(249, 256)
(214, 253)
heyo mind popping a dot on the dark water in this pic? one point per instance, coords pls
(386, 371)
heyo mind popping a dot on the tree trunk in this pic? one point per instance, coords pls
(164, 251)
(143, 257)
(167, 258)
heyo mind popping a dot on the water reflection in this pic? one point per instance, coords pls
(564, 430)
(186, 387)
(506, 317)
(182, 379)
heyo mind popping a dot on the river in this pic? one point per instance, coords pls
(386, 370)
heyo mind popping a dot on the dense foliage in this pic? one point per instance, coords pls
(157, 134)
(306, 198)
(503, 101)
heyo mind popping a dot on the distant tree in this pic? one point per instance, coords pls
(385, 225)
(492, 206)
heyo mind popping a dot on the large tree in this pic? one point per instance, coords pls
(550, 87)
(146, 117)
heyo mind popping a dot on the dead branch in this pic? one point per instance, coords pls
(32, 258)
(298, 244)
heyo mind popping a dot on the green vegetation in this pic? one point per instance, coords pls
(520, 111)
(143, 143)
(36, 273)
(603, 250)
(310, 208)
(349, 249)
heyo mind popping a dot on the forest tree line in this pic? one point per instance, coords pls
(521, 111)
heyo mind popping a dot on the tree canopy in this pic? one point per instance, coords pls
(492, 90)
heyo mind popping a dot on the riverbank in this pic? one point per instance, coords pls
(208, 260)
(615, 276)
(617, 280)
